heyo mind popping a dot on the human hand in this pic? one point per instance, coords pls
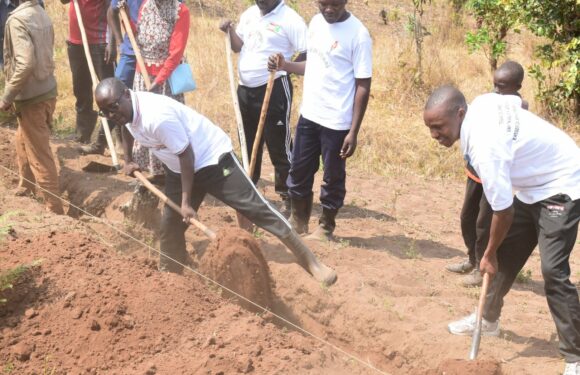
(226, 25)
(276, 62)
(348, 146)
(5, 106)
(130, 167)
(188, 213)
(488, 265)
(110, 53)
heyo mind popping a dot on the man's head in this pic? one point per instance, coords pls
(507, 79)
(114, 101)
(444, 113)
(333, 10)
(266, 6)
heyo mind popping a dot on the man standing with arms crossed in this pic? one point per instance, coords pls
(337, 81)
(512, 149)
(266, 28)
(31, 91)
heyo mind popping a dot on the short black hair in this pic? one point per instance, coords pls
(446, 95)
(514, 70)
(110, 87)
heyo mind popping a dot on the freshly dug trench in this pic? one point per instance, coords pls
(235, 260)
(462, 367)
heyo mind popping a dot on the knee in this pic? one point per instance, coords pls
(171, 223)
(554, 275)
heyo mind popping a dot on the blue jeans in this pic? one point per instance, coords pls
(126, 69)
(311, 142)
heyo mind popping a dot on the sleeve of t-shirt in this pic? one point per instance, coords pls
(172, 135)
(363, 55)
(298, 34)
(240, 27)
(497, 186)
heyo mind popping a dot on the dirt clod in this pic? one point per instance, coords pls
(236, 261)
(22, 351)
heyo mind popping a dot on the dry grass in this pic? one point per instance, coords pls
(393, 138)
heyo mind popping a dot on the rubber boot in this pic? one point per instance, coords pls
(308, 261)
(326, 225)
(286, 206)
(85, 124)
(300, 214)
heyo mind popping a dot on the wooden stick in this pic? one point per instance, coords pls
(261, 123)
(239, 121)
(479, 316)
(125, 22)
(95, 80)
(208, 232)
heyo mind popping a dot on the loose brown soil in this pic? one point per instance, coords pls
(235, 261)
(96, 303)
(462, 367)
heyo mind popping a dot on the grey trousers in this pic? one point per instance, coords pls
(227, 182)
(553, 225)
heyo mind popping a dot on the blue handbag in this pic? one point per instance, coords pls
(181, 79)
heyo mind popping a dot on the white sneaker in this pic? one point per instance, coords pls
(466, 326)
(572, 369)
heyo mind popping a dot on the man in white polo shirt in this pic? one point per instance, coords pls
(512, 149)
(268, 27)
(198, 160)
(337, 80)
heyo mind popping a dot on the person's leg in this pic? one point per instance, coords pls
(86, 117)
(468, 218)
(103, 69)
(250, 100)
(26, 181)
(34, 121)
(305, 163)
(278, 135)
(229, 183)
(172, 234)
(333, 189)
(558, 219)
(512, 255)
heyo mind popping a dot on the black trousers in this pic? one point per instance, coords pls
(227, 182)
(277, 133)
(313, 141)
(476, 217)
(83, 85)
(553, 225)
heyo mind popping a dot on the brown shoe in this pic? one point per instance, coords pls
(463, 267)
(473, 279)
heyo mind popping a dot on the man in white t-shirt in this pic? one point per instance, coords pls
(198, 160)
(512, 149)
(268, 27)
(337, 81)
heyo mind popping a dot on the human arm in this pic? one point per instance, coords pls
(186, 164)
(500, 225)
(128, 140)
(24, 59)
(111, 49)
(361, 100)
(114, 22)
(177, 46)
(277, 62)
(237, 42)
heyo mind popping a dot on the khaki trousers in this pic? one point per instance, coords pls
(33, 153)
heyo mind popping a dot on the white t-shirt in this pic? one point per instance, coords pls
(512, 149)
(338, 53)
(280, 31)
(166, 127)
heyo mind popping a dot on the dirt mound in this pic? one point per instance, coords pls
(236, 261)
(464, 367)
(86, 309)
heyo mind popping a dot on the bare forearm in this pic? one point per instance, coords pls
(127, 145)
(295, 67)
(500, 225)
(361, 100)
(114, 23)
(186, 163)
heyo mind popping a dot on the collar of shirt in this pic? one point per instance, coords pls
(274, 11)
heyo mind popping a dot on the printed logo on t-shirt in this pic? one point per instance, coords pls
(334, 45)
(274, 27)
(508, 118)
(255, 40)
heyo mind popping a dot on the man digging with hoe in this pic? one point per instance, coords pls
(197, 157)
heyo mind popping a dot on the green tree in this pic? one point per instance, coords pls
(558, 70)
(494, 19)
